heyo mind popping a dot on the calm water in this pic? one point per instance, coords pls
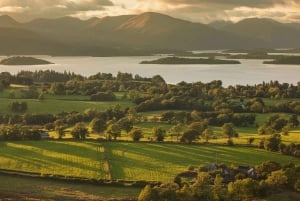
(249, 72)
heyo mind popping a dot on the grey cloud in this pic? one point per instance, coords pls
(228, 4)
(52, 8)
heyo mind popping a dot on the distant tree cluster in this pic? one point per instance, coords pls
(275, 144)
(18, 106)
(15, 132)
(103, 96)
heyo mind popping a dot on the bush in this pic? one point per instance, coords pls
(272, 143)
(297, 185)
(136, 134)
(230, 142)
(18, 106)
(103, 96)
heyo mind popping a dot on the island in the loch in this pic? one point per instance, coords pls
(290, 60)
(180, 60)
(22, 60)
(254, 55)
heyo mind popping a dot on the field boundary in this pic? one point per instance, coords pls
(101, 182)
(107, 164)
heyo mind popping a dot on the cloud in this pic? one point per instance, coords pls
(29, 9)
(12, 9)
(229, 4)
(206, 11)
(203, 11)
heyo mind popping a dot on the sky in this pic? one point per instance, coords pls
(203, 11)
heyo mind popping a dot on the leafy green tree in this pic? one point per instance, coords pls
(58, 88)
(202, 190)
(279, 123)
(250, 140)
(132, 115)
(198, 126)
(176, 130)
(98, 125)
(125, 124)
(207, 134)
(136, 134)
(60, 130)
(264, 169)
(113, 131)
(18, 106)
(261, 130)
(272, 143)
(243, 189)
(159, 134)
(229, 131)
(277, 179)
(79, 131)
(257, 107)
(185, 193)
(293, 120)
(285, 130)
(189, 136)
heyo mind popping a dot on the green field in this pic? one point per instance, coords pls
(54, 106)
(22, 188)
(128, 161)
(67, 158)
(158, 161)
(40, 189)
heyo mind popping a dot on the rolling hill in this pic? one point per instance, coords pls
(138, 35)
(270, 32)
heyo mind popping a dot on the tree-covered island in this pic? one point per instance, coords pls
(180, 60)
(22, 60)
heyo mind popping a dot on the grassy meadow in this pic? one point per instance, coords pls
(67, 158)
(161, 161)
(53, 104)
(22, 188)
(128, 161)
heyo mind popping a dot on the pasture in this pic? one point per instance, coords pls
(22, 188)
(67, 158)
(127, 161)
(54, 106)
(162, 161)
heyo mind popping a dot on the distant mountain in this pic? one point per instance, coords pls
(22, 41)
(157, 31)
(270, 32)
(138, 35)
(294, 25)
(6, 21)
(219, 24)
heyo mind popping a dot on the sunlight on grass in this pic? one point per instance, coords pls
(82, 159)
(154, 161)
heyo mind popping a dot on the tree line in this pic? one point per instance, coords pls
(219, 182)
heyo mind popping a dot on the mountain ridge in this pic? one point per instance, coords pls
(145, 32)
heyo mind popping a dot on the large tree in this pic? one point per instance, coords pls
(159, 133)
(98, 125)
(176, 130)
(79, 131)
(136, 134)
(229, 131)
(189, 136)
(207, 134)
(125, 124)
(113, 131)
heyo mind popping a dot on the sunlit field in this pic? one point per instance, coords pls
(43, 189)
(157, 161)
(67, 158)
